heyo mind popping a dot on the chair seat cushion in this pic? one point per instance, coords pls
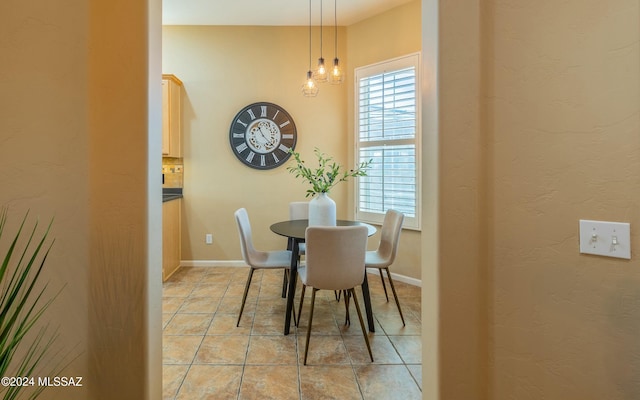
(302, 274)
(273, 259)
(373, 259)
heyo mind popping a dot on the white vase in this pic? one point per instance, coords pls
(322, 211)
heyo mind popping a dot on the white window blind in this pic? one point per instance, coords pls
(387, 132)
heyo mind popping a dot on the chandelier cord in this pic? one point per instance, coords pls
(335, 24)
(320, 28)
(309, 34)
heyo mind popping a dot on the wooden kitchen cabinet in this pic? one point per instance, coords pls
(171, 116)
(171, 248)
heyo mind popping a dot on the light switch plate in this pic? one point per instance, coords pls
(609, 239)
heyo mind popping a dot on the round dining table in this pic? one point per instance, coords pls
(295, 231)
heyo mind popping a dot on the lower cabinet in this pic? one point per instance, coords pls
(170, 237)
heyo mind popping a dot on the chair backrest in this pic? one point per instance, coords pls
(299, 210)
(390, 235)
(244, 230)
(335, 256)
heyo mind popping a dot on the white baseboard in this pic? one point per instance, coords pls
(398, 277)
(212, 263)
(240, 263)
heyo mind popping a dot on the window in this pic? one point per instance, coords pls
(388, 132)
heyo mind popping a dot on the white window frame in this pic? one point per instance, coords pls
(399, 63)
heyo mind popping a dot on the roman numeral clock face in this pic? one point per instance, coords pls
(261, 135)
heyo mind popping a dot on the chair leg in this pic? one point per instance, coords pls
(285, 281)
(364, 331)
(337, 294)
(384, 286)
(313, 301)
(297, 321)
(347, 320)
(395, 295)
(244, 296)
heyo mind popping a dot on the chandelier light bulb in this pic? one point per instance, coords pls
(336, 76)
(321, 69)
(309, 88)
(320, 75)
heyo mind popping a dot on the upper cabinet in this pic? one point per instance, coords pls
(171, 116)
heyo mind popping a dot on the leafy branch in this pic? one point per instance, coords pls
(327, 174)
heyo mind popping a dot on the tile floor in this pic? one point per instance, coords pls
(205, 356)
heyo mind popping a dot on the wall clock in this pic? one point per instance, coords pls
(261, 135)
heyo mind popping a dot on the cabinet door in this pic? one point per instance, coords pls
(165, 118)
(171, 116)
(171, 247)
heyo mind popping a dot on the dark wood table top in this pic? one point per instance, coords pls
(297, 227)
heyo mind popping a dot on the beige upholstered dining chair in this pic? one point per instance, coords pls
(334, 261)
(257, 259)
(300, 210)
(385, 254)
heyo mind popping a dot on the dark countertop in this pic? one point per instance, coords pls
(169, 194)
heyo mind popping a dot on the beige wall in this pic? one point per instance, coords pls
(45, 152)
(431, 337)
(74, 137)
(562, 102)
(455, 273)
(225, 68)
(538, 121)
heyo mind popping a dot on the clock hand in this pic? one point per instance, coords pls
(257, 136)
(264, 136)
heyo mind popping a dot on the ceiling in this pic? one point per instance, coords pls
(270, 12)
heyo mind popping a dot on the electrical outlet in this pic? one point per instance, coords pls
(609, 239)
(208, 238)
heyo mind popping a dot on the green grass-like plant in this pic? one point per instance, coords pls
(327, 174)
(22, 304)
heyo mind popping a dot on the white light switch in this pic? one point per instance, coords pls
(610, 239)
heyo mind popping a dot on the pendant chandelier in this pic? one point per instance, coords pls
(322, 74)
(336, 76)
(310, 87)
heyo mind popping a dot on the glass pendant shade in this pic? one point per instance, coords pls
(335, 75)
(320, 74)
(310, 88)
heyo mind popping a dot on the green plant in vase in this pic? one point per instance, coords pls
(327, 174)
